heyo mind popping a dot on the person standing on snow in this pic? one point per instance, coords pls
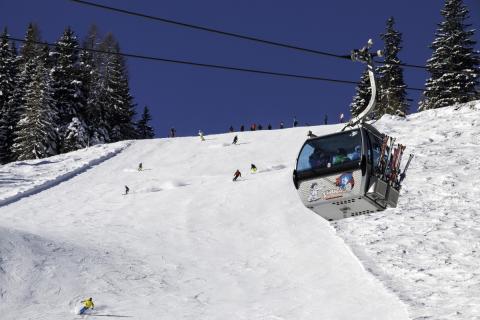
(341, 117)
(269, 127)
(200, 133)
(295, 122)
(236, 175)
(242, 128)
(281, 125)
(87, 304)
(253, 168)
(127, 189)
(235, 139)
(325, 119)
(140, 166)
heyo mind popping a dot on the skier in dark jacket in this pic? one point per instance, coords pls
(236, 175)
(269, 127)
(235, 139)
(127, 189)
(242, 128)
(253, 168)
(140, 166)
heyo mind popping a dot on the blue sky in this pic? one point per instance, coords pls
(190, 98)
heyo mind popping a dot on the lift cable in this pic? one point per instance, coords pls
(197, 27)
(205, 65)
(235, 35)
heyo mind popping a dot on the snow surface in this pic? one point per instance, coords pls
(188, 243)
(24, 178)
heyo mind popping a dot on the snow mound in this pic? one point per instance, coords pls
(24, 178)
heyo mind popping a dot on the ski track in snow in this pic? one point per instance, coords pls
(187, 243)
(25, 178)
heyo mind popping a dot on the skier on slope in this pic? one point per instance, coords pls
(253, 168)
(140, 166)
(235, 140)
(236, 175)
(127, 189)
(200, 133)
(87, 304)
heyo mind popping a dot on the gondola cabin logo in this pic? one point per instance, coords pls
(344, 180)
(343, 184)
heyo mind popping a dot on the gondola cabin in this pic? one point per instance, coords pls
(335, 174)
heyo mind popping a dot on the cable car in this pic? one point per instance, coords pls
(352, 172)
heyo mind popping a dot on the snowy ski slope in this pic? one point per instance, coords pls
(188, 243)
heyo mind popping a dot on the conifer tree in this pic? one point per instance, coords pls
(26, 64)
(31, 47)
(36, 134)
(115, 93)
(454, 65)
(68, 96)
(392, 96)
(362, 96)
(8, 73)
(90, 66)
(144, 130)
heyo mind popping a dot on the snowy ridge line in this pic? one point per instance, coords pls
(62, 178)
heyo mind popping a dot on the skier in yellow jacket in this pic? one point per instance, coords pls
(87, 304)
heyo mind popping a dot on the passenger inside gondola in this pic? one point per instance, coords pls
(340, 156)
(319, 159)
(355, 155)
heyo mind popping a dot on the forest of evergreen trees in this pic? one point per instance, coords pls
(454, 68)
(66, 97)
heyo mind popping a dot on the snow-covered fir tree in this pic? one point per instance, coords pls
(114, 93)
(90, 65)
(454, 65)
(68, 96)
(8, 73)
(392, 96)
(26, 64)
(76, 136)
(363, 92)
(36, 134)
(144, 130)
(31, 47)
